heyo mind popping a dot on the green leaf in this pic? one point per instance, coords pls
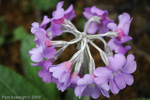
(71, 96)
(31, 72)
(45, 4)
(2, 40)
(12, 84)
(19, 33)
(3, 25)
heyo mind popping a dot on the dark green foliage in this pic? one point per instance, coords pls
(12, 84)
(44, 5)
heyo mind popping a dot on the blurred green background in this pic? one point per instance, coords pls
(19, 78)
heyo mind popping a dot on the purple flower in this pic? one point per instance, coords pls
(44, 73)
(58, 18)
(62, 72)
(37, 54)
(87, 86)
(119, 72)
(93, 27)
(60, 86)
(62, 75)
(102, 75)
(42, 50)
(36, 25)
(40, 36)
(73, 80)
(84, 80)
(123, 30)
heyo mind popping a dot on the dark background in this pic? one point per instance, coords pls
(21, 13)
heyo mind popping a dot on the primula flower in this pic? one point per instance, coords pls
(118, 73)
(36, 25)
(58, 18)
(94, 27)
(62, 75)
(73, 80)
(60, 86)
(41, 51)
(62, 72)
(87, 86)
(83, 77)
(37, 54)
(44, 73)
(123, 30)
(71, 83)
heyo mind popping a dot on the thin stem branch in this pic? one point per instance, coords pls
(75, 56)
(92, 19)
(89, 53)
(95, 46)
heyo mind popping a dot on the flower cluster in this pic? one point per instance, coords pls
(116, 73)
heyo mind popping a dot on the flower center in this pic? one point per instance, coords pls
(47, 42)
(115, 73)
(59, 21)
(120, 33)
(92, 85)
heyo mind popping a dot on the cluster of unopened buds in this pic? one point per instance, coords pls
(116, 73)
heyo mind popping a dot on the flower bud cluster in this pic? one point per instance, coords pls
(84, 76)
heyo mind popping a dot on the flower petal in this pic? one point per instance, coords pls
(65, 78)
(97, 11)
(35, 24)
(45, 21)
(57, 71)
(104, 89)
(56, 29)
(95, 92)
(130, 66)
(79, 90)
(103, 29)
(125, 39)
(119, 82)
(62, 87)
(122, 49)
(112, 44)
(41, 35)
(103, 74)
(93, 27)
(127, 78)
(45, 75)
(60, 5)
(126, 27)
(47, 64)
(87, 91)
(105, 93)
(59, 13)
(112, 26)
(123, 18)
(49, 52)
(87, 13)
(104, 86)
(69, 13)
(37, 57)
(113, 87)
(117, 62)
(87, 79)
